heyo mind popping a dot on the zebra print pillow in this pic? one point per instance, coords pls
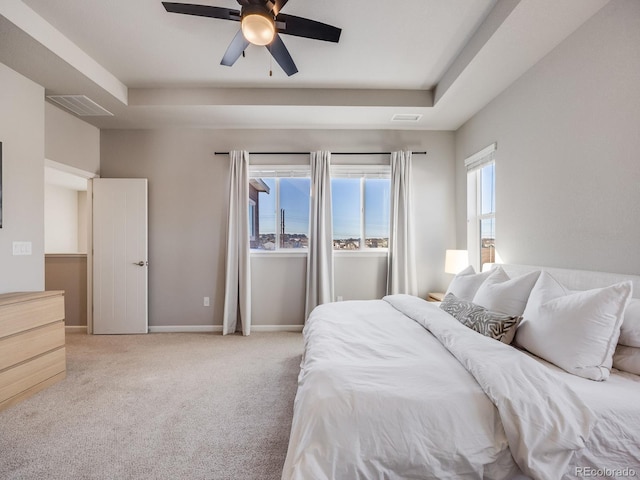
(490, 324)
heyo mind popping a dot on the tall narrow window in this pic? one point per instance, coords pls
(481, 207)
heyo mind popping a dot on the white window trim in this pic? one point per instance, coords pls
(480, 159)
(252, 231)
(355, 171)
(369, 252)
(283, 252)
(279, 171)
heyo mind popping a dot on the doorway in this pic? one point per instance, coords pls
(67, 236)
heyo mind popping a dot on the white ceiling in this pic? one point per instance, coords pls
(156, 69)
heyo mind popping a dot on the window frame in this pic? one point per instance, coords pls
(363, 172)
(278, 172)
(252, 220)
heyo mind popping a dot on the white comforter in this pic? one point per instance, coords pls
(380, 397)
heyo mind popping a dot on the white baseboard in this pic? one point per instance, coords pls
(75, 328)
(276, 328)
(218, 328)
(185, 328)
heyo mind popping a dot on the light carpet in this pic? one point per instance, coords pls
(159, 406)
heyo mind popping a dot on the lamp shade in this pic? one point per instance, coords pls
(455, 261)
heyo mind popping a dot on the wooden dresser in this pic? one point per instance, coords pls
(32, 353)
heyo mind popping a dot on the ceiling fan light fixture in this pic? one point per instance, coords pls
(258, 27)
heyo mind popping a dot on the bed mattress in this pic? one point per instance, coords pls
(398, 389)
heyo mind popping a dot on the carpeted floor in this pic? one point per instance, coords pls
(159, 406)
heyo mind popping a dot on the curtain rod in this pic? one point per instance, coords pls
(307, 153)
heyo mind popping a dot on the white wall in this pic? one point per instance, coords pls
(60, 220)
(188, 188)
(82, 215)
(22, 137)
(567, 167)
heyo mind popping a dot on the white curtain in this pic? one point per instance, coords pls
(401, 271)
(320, 257)
(237, 297)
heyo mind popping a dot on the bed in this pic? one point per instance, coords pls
(398, 388)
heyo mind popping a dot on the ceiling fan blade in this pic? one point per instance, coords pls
(235, 49)
(202, 11)
(303, 27)
(279, 5)
(280, 53)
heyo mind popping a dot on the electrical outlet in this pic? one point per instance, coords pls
(206, 302)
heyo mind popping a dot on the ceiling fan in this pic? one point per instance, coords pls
(261, 22)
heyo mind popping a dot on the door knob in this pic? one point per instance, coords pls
(141, 263)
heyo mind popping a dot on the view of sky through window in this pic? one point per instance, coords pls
(346, 207)
(376, 215)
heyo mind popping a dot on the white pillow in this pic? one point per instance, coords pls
(627, 359)
(499, 293)
(630, 329)
(576, 331)
(466, 283)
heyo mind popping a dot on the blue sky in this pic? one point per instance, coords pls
(294, 198)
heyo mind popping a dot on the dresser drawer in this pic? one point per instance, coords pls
(16, 380)
(23, 346)
(32, 313)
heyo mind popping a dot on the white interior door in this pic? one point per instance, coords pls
(120, 289)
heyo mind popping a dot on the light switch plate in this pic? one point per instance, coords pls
(22, 248)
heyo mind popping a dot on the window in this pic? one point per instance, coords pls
(282, 208)
(279, 207)
(360, 201)
(481, 207)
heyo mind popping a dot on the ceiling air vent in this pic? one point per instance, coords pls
(80, 105)
(406, 117)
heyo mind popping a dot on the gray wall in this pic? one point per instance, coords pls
(22, 137)
(568, 158)
(71, 141)
(188, 188)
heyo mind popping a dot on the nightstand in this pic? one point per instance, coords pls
(435, 296)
